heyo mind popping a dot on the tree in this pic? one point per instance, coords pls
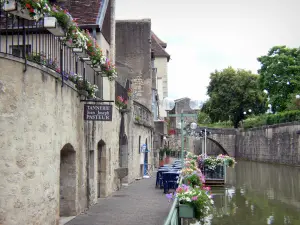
(233, 92)
(280, 75)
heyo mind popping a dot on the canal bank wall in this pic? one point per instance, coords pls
(278, 143)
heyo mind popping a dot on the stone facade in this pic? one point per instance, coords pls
(48, 147)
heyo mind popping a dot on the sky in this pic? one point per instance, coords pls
(205, 35)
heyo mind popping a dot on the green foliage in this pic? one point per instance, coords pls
(269, 119)
(62, 18)
(168, 151)
(231, 93)
(161, 153)
(280, 75)
(224, 124)
(192, 180)
(203, 118)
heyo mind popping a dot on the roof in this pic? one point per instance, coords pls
(160, 42)
(157, 46)
(87, 12)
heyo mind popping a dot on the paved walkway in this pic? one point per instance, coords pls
(139, 203)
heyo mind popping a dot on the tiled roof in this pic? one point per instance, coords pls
(87, 12)
(157, 46)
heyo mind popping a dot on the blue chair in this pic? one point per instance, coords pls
(170, 180)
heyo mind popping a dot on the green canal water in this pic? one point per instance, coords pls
(257, 194)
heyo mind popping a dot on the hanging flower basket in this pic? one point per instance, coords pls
(186, 211)
(51, 24)
(28, 11)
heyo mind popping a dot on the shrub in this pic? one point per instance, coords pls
(270, 119)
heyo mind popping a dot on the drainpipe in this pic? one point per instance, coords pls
(112, 43)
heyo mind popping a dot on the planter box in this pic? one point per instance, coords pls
(52, 25)
(84, 93)
(15, 8)
(186, 211)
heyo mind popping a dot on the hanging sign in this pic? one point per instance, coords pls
(98, 112)
(144, 148)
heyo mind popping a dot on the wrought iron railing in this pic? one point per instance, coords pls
(121, 90)
(30, 41)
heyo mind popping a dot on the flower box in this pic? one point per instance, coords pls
(16, 9)
(52, 25)
(186, 211)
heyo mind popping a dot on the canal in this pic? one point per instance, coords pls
(257, 194)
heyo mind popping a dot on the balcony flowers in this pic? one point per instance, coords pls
(36, 9)
(62, 16)
(84, 85)
(121, 102)
(109, 70)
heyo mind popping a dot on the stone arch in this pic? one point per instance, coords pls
(124, 152)
(224, 152)
(102, 172)
(67, 181)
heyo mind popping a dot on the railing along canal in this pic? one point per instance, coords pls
(173, 216)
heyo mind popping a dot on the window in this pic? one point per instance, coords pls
(139, 144)
(107, 54)
(17, 50)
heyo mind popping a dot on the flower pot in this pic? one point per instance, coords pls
(186, 211)
(83, 92)
(52, 25)
(16, 9)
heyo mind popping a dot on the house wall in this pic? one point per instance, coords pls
(104, 45)
(161, 63)
(40, 123)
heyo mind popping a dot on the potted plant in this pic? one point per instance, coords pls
(27, 9)
(58, 21)
(161, 157)
(193, 202)
(168, 153)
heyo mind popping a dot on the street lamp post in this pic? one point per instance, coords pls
(169, 104)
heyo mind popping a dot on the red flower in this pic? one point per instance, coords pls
(31, 10)
(28, 6)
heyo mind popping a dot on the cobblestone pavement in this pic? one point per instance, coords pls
(138, 204)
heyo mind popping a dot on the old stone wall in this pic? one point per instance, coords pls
(133, 57)
(51, 160)
(276, 144)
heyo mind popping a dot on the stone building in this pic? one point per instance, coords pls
(181, 106)
(53, 162)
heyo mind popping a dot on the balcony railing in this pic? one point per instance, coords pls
(30, 41)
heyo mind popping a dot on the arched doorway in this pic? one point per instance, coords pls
(101, 175)
(67, 181)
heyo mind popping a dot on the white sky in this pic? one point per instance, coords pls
(204, 35)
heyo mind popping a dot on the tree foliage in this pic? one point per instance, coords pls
(233, 92)
(280, 76)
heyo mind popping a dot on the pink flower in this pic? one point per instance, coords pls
(194, 198)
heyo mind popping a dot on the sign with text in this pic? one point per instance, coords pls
(98, 112)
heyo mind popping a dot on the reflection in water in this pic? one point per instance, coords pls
(257, 194)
